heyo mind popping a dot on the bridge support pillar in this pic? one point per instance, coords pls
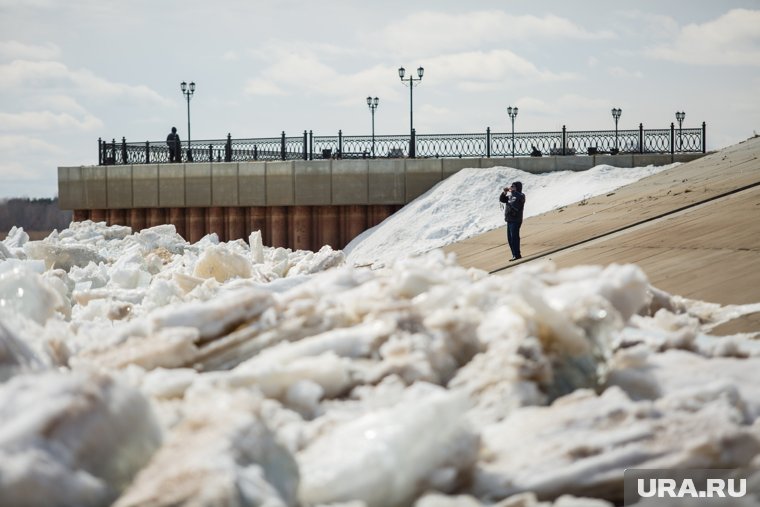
(215, 222)
(98, 215)
(278, 225)
(155, 216)
(300, 229)
(196, 224)
(327, 227)
(235, 220)
(177, 218)
(80, 215)
(354, 222)
(117, 217)
(136, 219)
(257, 219)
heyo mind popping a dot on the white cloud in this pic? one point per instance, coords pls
(61, 103)
(230, 56)
(731, 39)
(569, 102)
(25, 74)
(12, 171)
(15, 50)
(648, 25)
(45, 120)
(23, 144)
(295, 68)
(490, 66)
(431, 111)
(475, 71)
(27, 3)
(575, 102)
(625, 73)
(304, 73)
(428, 32)
(263, 87)
(533, 105)
(274, 49)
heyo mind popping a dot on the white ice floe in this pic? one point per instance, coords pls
(390, 456)
(220, 453)
(139, 369)
(24, 291)
(74, 438)
(16, 356)
(583, 443)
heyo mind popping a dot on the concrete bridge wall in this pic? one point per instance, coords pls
(297, 204)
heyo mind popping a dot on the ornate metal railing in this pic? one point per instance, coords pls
(482, 144)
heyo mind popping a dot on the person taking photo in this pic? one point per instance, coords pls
(514, 200)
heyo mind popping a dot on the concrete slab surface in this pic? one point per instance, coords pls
(694, 229)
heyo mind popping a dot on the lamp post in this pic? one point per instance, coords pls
(411, 79)
(512, 112)
(680, 116)
(188, 93)
(616, 112)
(372, 103)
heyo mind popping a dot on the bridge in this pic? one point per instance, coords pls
(479, 144)
(298, 204)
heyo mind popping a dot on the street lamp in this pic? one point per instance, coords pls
(188, 92)
(680, 115)
(616, 112)
(512, 112)
(372, 103)
(411, 79)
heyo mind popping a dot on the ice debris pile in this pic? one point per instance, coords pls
(137, 369)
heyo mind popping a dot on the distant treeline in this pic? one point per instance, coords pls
(33, 214)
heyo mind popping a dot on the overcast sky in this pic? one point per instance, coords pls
(75, 70)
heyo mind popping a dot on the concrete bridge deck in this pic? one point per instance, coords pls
(301, 204)
(694, 229)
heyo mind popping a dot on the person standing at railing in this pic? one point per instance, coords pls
(175, 146)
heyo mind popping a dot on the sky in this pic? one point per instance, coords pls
(75, 71)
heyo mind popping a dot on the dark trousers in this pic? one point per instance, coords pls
(513, 238)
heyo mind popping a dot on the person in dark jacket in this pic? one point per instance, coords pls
(175, 147)
(514, 199)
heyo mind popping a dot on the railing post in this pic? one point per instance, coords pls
(564, 139)
(228, 148)
(488, 142)
(311, 145)
(641, 138)
(672, 139)
(305, 146)
(282, 145)
(412, 145)
(123, 150)
(147, 152)
(340, 144)
(255, 152)
(113, 150)
(100, 151)
(704, 137)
